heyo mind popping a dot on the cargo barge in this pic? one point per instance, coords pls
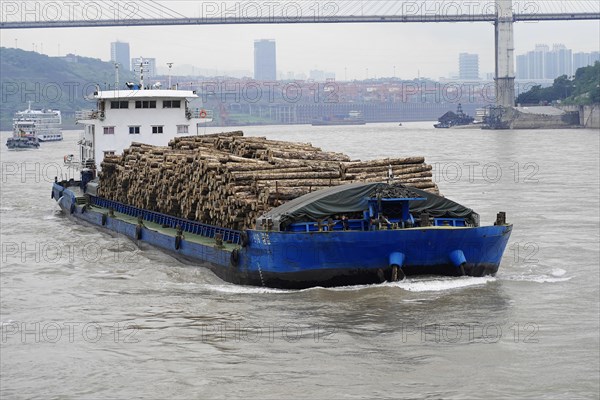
(353, 118)
(288, 250)
(451, 119)
(355, 233)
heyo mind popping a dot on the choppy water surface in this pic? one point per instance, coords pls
(87, 314)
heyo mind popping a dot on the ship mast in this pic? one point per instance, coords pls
(116, 76)
(170, 64)
(141, 73)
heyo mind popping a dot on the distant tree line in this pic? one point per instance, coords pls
(59, 83)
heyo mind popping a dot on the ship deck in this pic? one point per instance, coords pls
(190, 237)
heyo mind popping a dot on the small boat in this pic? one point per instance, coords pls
(22, 141)
(451, 119)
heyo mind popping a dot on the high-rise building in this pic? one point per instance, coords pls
(550, 65)
(522, 66)
(581, 60)
(564, 60)
(468, 66)
(119, 53)
(543, 63)
(522, 70)
(537, 62)
(265, 56)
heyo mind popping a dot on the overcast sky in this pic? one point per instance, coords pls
(429, 50)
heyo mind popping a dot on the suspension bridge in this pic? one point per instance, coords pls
(502, 13)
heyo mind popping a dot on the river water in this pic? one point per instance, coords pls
(85, 314)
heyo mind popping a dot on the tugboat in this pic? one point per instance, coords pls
(45, 125)
(451, 119)
(22, 141)
(357, 233)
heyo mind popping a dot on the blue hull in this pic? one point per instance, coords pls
(344, 258)
(308, 259)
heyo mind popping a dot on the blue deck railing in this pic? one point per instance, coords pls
(209, 231)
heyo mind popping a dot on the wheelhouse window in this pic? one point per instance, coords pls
(119, 104)
(145, 104)
(172, 104)
(109, 153)
(134, 130)
(157, 129)
(183, 128)
(109, 130)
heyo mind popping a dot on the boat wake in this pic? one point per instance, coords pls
(554, 276)
(424, 284)
(236, 289)
(428, 284)
(441, 284)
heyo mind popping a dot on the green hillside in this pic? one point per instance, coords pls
(583, 88)
(59, 83)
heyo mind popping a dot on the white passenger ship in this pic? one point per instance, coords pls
(45, 125)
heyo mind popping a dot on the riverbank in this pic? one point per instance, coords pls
(589, 116)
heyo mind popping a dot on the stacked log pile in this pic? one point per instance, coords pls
(229, 180)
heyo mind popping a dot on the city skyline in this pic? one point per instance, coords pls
(364, 50)
(547, 63)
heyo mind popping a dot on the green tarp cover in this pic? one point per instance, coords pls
(438, 206)
(354, 197)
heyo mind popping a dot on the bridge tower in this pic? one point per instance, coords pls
(505, 58)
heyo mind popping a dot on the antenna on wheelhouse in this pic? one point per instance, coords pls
(141, 73)
(116, 76)
(170, 64)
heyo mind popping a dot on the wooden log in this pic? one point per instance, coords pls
(397, 169)
(303, 155)
(385, 162)
(316, 183)
(399, 178)
(243, 176)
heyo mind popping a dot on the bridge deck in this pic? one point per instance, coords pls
(226, 20)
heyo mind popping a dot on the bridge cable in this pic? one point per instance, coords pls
(162, 8)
